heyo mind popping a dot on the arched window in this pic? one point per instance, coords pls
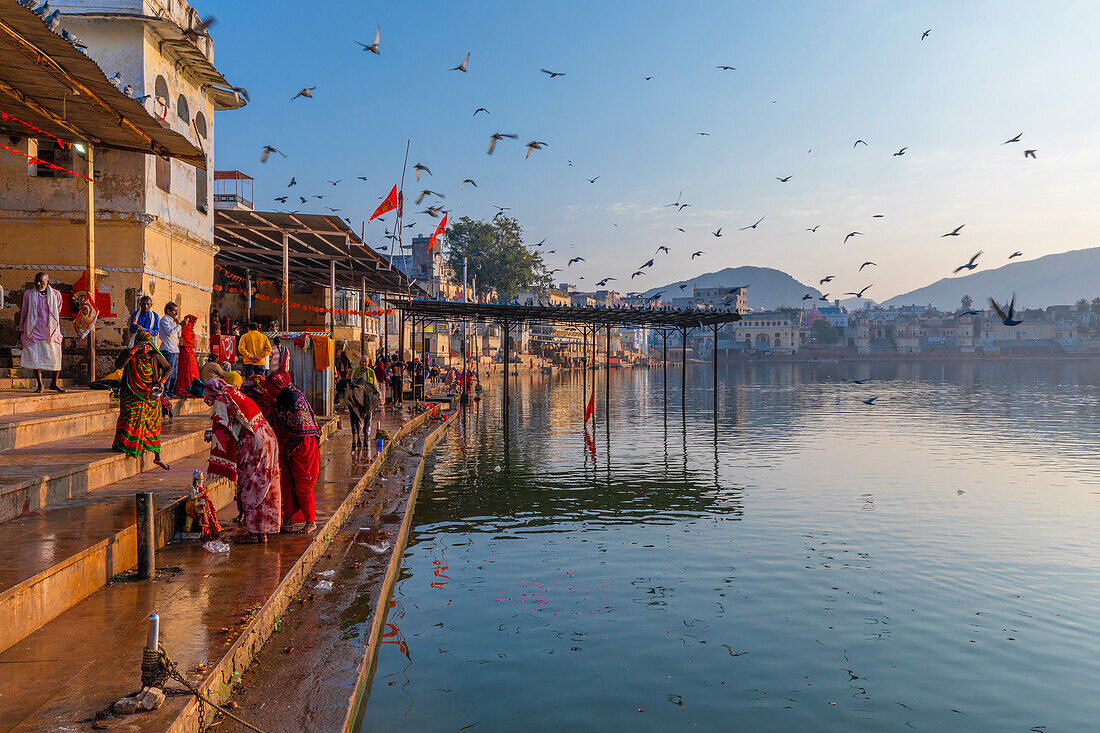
(183, 110)
(200, 125)
(161, 102)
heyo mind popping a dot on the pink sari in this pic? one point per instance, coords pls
(244, 448)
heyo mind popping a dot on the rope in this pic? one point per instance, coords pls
(157, 668)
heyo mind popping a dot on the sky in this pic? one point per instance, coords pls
(810, 79)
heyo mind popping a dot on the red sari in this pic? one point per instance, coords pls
(244, 449)
(299, 447)
(188, 369)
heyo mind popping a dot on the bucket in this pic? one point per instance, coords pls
(381, 444)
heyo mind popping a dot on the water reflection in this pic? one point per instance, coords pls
(813, 564)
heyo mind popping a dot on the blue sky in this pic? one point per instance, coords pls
(810, 76)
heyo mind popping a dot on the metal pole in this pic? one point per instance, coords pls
(248, 296)
(286, 282)
(363, 317)
(504, 345)
(664, 363)
(153, 641)
(584, 366)
(715, 369)
(401, 339)
(424, 357)
(332, 297)
(89, 170)
(147, 565)
(684, 365)
(386, 330)
(607, 378)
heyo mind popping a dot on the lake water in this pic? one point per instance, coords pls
(928, 562)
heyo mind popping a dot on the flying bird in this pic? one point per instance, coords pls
(824, 280)
(268, 150)
(281, 199)
(718, 233)
(681, 229)
(552, 74)
(954, 232)
(783, 180)
(869, 400)
(726, 68)
(860, 293)
(661, 248)
(648, 263)
(426, 192)
(605, 281)
(534, 145)
(497, 137)
(556, 269)
(334, 182)
(465, 181)
(592, 180)
(814, 229)
(361, 178)
(878, 216)
(901, 152)
(683, 286)
(1013, 140)
(639, 272)
(676, 203)
(481, 109)
(1007, 317)
(303, 199)
(293, 182)
(807, 296)
(374, 47)
(925, 34)
(1030, 153)
(850, 235)
(683, 206)
(575, 259)
(969, 265)
(332, 209)
(462, 67)
(857, 142)
(202, 28)
(703, 134)
(1015, 254)
(753, 226)
(697, 254)
(865, 264)
(433, 211)
(824, 297)
(418, 167)
(307, 93)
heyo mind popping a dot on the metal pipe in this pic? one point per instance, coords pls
(684, 365)
(715, 365)
(664, 363)
(363, 317)
(89, 170)
(286, 282)
(147, 565)
(248, 296)
(154, 632)
(607, 378)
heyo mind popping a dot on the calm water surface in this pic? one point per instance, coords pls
(928, 563)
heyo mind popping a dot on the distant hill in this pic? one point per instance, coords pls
(1059, 279)
(768, 288)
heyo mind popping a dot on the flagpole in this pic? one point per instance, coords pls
(401, 201)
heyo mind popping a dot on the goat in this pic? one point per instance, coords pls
(362, 400)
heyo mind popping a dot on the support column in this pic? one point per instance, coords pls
(332, 297)
(715, 370)
(401, 338)
(424, 357)
(504, 346)
(363, 317)
(684, 370)
(286, 281)
(89, 170)
(386, 330)
(584, 366)
(664, 363)
(607, 378)
(248, 296)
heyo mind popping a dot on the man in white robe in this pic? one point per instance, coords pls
(40, 325)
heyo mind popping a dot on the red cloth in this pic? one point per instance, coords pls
(224, 347)
(187, 371)
(299, 468)
(388, 205)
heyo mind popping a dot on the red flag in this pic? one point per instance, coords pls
(388, 205)
(591, 409)
(438, 230)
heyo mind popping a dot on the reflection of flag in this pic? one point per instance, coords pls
(591, 409)
(438, 230)
(388, 205)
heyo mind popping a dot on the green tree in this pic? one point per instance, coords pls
(1096, 305)
(823, 332)
(967, 302)
(1082, 305)
(496, 255)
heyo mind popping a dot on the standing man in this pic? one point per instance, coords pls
(254, 349)
(40, 325)
(144, 319)
(170, 344)
(397, 383)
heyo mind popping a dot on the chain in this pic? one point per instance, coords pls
(167, 669)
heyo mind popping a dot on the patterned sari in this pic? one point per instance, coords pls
(244, 449)
(138, 427)
(299, 447)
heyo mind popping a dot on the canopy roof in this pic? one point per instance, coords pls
(48, 83)
(253, 241)
(656, 318)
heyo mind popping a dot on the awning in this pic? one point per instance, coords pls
(253, 241)
(48, 83)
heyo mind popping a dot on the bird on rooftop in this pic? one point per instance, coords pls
(824, 280)
(697, 254)
(1015, 254)
(783, 180)
(850, 235)
(128, 90)
(726, 68)
(969, 265)
(552, 73)
(42, 9)
(534, 145)
(115, 79)
(661, 248)
(202, 28)
(77, 43)
(592, 180)
(753, 226)
(814, 229)
(481, 109)
(718, 233)
(857, 142)
(869, 400)
(860, 293)
(293, 182)
(374, 47)
(465, 181)
(1007, 317)
(426, 192)
(954, 232)
(53, 20)
(418, 167)
(462, 67)
(496, 137)
(1013, 140)
(865, 264)
(900, 152)
(925, 34)
(307, 93)
(1030, 153)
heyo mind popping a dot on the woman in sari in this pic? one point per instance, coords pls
(299, 450)
(144, 371)
(187, 370)
(244, 449)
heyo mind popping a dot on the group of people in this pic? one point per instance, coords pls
(387, 374)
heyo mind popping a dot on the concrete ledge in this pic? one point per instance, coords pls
(22, 402)
(28, 428)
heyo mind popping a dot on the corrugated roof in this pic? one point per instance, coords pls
(656, 317)
(48, 83)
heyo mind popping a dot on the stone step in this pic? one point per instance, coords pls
(30, 428)
(8, 383)
(23, 400)
(49, 473)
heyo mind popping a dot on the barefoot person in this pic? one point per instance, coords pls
(144, 370)
(299, 450)
(40, 324)
(244, 449)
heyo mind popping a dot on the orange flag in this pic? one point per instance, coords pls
(438, 230)
(388, 205)
(591, 409)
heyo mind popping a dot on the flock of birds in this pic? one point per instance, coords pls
(52, 19)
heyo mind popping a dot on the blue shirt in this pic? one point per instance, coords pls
(148, 322)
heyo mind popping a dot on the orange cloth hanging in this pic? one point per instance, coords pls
(323, 347)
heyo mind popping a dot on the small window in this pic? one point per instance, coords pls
(183, 110)
(164, 173)
(162, 103)
(200, 125)
(48, 151)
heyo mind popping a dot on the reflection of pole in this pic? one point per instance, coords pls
(607, 378)
(715, 368)
(504, 325)
(664, 364)
(684, 362)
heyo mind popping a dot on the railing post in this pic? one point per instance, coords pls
(146, 548)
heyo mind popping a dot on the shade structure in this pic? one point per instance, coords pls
(47, 83)
(615, 317)
(318, 247)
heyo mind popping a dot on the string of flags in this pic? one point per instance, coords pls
(306, 307)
